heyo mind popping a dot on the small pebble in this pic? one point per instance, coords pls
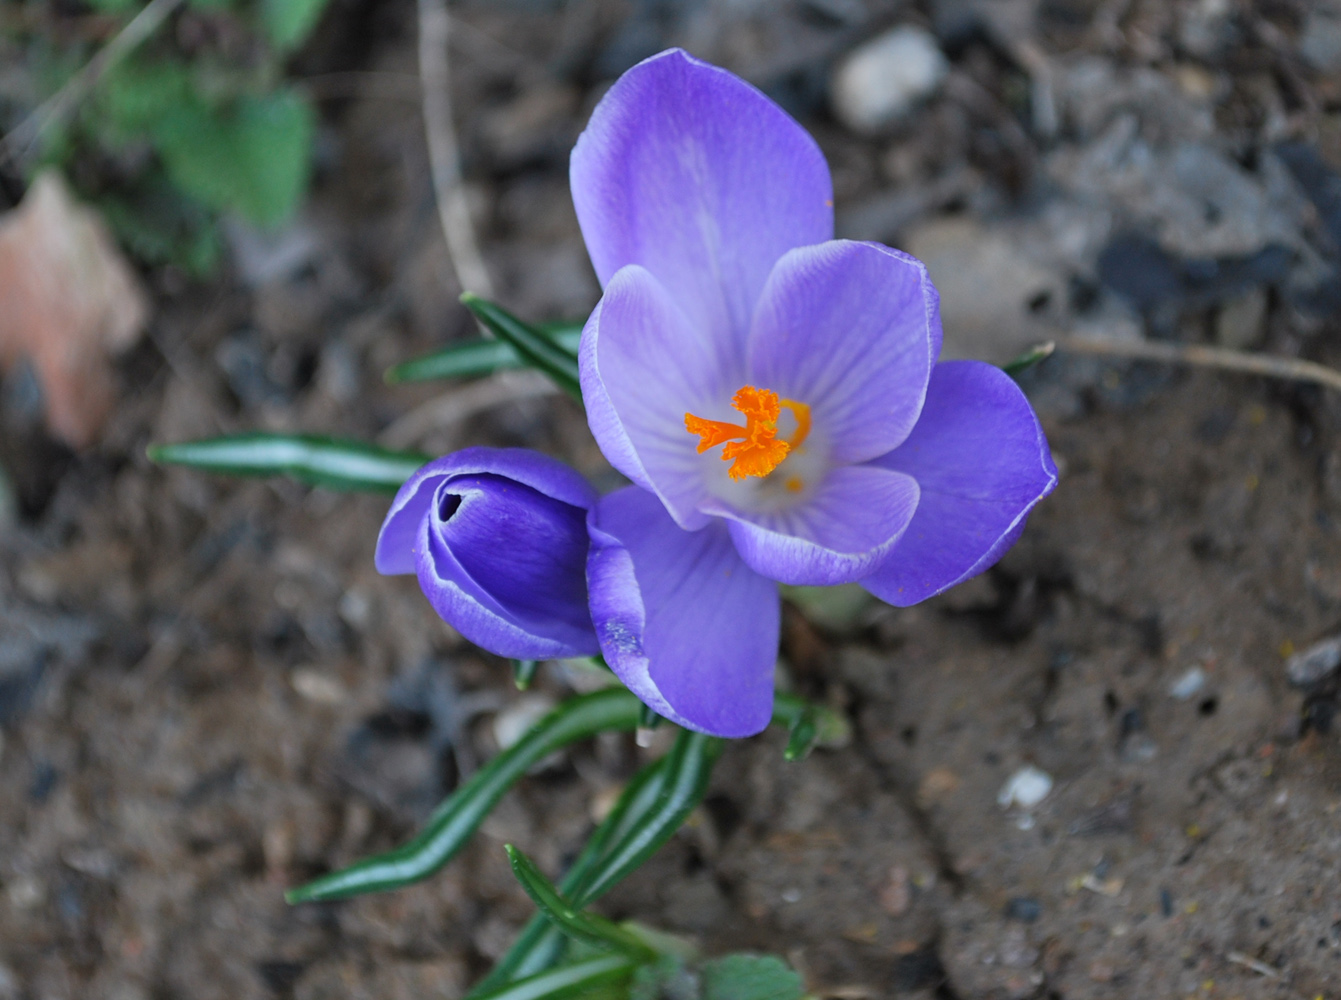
(1188, 684)
(1240, 323)
(897, 894)
(1026, 788)
(517, 718)
(938, 783)
(1320, 41)
(883, 80)
(603, 803)
(316, 686)
(1025, 909)
(1314, 664)
(1102, 886)
(9, 504)
(25, 893)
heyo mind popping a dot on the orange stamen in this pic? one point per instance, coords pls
(754, 449)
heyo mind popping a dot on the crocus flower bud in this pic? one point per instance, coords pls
(498, 539)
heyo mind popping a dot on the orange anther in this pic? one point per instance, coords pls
(754, 449)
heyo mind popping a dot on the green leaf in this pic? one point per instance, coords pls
(137, 93)
(159, 225)
(453, 822)
(802, 736)
(688, 769)
(653, 806)
(477, 357)
(809, 725)
(540, 943)
(570, 919)
(115, 6)
(330, 462)
(649, 719)
(589, 979)
(834, 608)
(523, 672)
(532, 344)
(288, 22)
(668, 977)
(1029, 358)
(750, 977)
(252, 158)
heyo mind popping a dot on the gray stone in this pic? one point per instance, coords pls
(1196, 200)
(9, 503)
(1319, 661)
(1206, 27)
(1241, 323)
(263, 256)
(995, 301)
(880, 82)
(1320, 41)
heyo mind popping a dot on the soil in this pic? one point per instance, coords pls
(208, 694)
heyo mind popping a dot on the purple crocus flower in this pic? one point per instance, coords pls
(498, 538)
(773, 393)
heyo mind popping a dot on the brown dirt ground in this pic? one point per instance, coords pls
(224, 698)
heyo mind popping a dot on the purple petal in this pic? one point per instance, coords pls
(505, 565)
(982, 462)
(400, 528)
(685, 624)
(643, 368)
(700, 178)
(852, 330)
(498, 539)
(837, 535)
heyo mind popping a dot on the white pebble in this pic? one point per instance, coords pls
(884, 79)
(1188, 684)
(318, 687)
(517, 718)
(1314, 664)
(1026, 788)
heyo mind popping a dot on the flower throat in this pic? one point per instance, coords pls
(755, 448)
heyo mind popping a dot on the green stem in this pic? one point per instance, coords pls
(580, 979)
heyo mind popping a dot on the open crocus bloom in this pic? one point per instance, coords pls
(498, 539)
(773, 393)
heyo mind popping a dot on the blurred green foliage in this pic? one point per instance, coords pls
(196, 123)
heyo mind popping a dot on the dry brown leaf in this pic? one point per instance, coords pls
(68, 303)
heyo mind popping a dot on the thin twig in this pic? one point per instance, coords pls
(1261, 968)
(1292, 369)
(61, 104)
(443, 156)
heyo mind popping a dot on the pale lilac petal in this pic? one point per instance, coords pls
(687, 626)
(982, 462)
(852, 330)
(642, 370)
(400, 528)
(694, 174)
(838, 535)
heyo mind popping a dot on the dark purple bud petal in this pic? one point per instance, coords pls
(498, 539)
